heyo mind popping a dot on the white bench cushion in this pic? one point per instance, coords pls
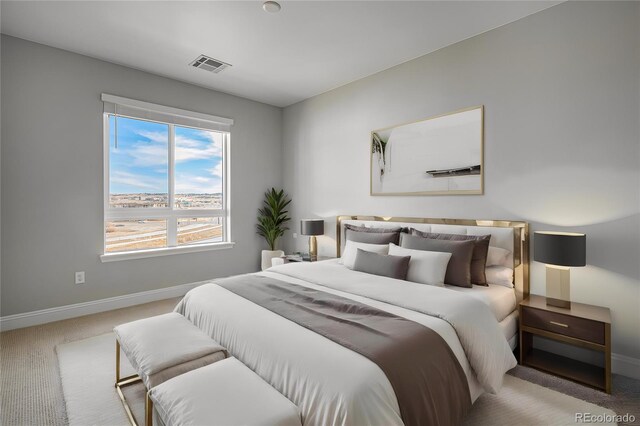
(165, 346)
(224, 393)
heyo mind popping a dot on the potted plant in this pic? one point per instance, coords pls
(272, 218)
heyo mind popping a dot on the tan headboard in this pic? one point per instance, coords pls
(520, 247)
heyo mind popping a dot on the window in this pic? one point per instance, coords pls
(166, 185)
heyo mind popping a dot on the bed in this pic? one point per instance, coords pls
(332, 384)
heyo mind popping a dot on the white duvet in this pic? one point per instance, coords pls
(328, 382)
(500, 299)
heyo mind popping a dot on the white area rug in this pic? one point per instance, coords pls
(87, 368)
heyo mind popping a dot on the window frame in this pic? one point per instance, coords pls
(170, 213)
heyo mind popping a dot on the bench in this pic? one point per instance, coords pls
(160, 348)
(224, 393)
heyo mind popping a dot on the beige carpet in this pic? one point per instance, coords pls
(95, 401)
(31, 392)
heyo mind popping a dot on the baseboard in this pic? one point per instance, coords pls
(625, 366)
(28, 319)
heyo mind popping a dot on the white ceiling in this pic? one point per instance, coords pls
(280, 59)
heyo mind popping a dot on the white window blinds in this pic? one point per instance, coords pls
(147, 111)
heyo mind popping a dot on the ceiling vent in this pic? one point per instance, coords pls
(209, 64)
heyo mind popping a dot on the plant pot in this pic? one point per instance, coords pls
(267, 255)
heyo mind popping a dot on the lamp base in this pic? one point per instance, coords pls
(558, 303)
(558, 287)
(313, 248)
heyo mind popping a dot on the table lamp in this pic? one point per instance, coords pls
(312, 227)
(559, 250)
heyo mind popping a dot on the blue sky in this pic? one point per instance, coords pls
(140, 163)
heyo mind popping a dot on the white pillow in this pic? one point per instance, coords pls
(497, 256)
(351, 250)
(426, 267)
(500, 275)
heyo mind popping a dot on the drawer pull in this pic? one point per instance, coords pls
(559, 323)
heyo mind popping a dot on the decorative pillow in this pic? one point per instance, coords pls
(426, 267)
(459, 268)
(479, 259)
(378, 228)
(500, 275)
(351, 249)
(381, 229)
(384, 228)
(497, 256)
(382, 264)
(361, 234)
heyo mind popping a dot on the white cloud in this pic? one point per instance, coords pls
(217, 170)
(145, 154)
(192, 149)
(158, 137)
(138, 181)
(183, 142)
(213, 137)
(189, 184)
(151, 150)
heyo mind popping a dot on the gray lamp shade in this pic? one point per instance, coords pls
(312, 226)
(560, 248)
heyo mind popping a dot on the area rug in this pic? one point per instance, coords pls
(87, 372)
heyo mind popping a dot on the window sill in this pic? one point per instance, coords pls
(142, 254)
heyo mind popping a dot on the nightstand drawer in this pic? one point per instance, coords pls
(580, 328)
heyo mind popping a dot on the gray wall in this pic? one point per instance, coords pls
(562, 142)
(52, 178)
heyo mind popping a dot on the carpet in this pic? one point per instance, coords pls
(31, 390)
(87, 373)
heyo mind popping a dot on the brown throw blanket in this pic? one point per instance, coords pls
(428, 381)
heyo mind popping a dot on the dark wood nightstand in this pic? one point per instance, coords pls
(581, 325)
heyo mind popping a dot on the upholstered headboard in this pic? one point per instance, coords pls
(509, 235)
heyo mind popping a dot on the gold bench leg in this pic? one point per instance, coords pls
(122, 382)
(148, 411)
(117, 362)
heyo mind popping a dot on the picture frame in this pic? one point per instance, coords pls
(440, 155)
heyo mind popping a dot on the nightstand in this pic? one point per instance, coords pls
(581, 325)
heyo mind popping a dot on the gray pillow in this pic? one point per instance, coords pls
(361, 234)
(459, 267)
(479, 259)
(374, 228)
(381, 264)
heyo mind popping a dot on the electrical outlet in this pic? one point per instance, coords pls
(295, 235)
(80, 277)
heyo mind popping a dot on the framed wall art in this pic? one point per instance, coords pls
(441, 155)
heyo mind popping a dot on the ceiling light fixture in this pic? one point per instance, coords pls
(271, 6)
